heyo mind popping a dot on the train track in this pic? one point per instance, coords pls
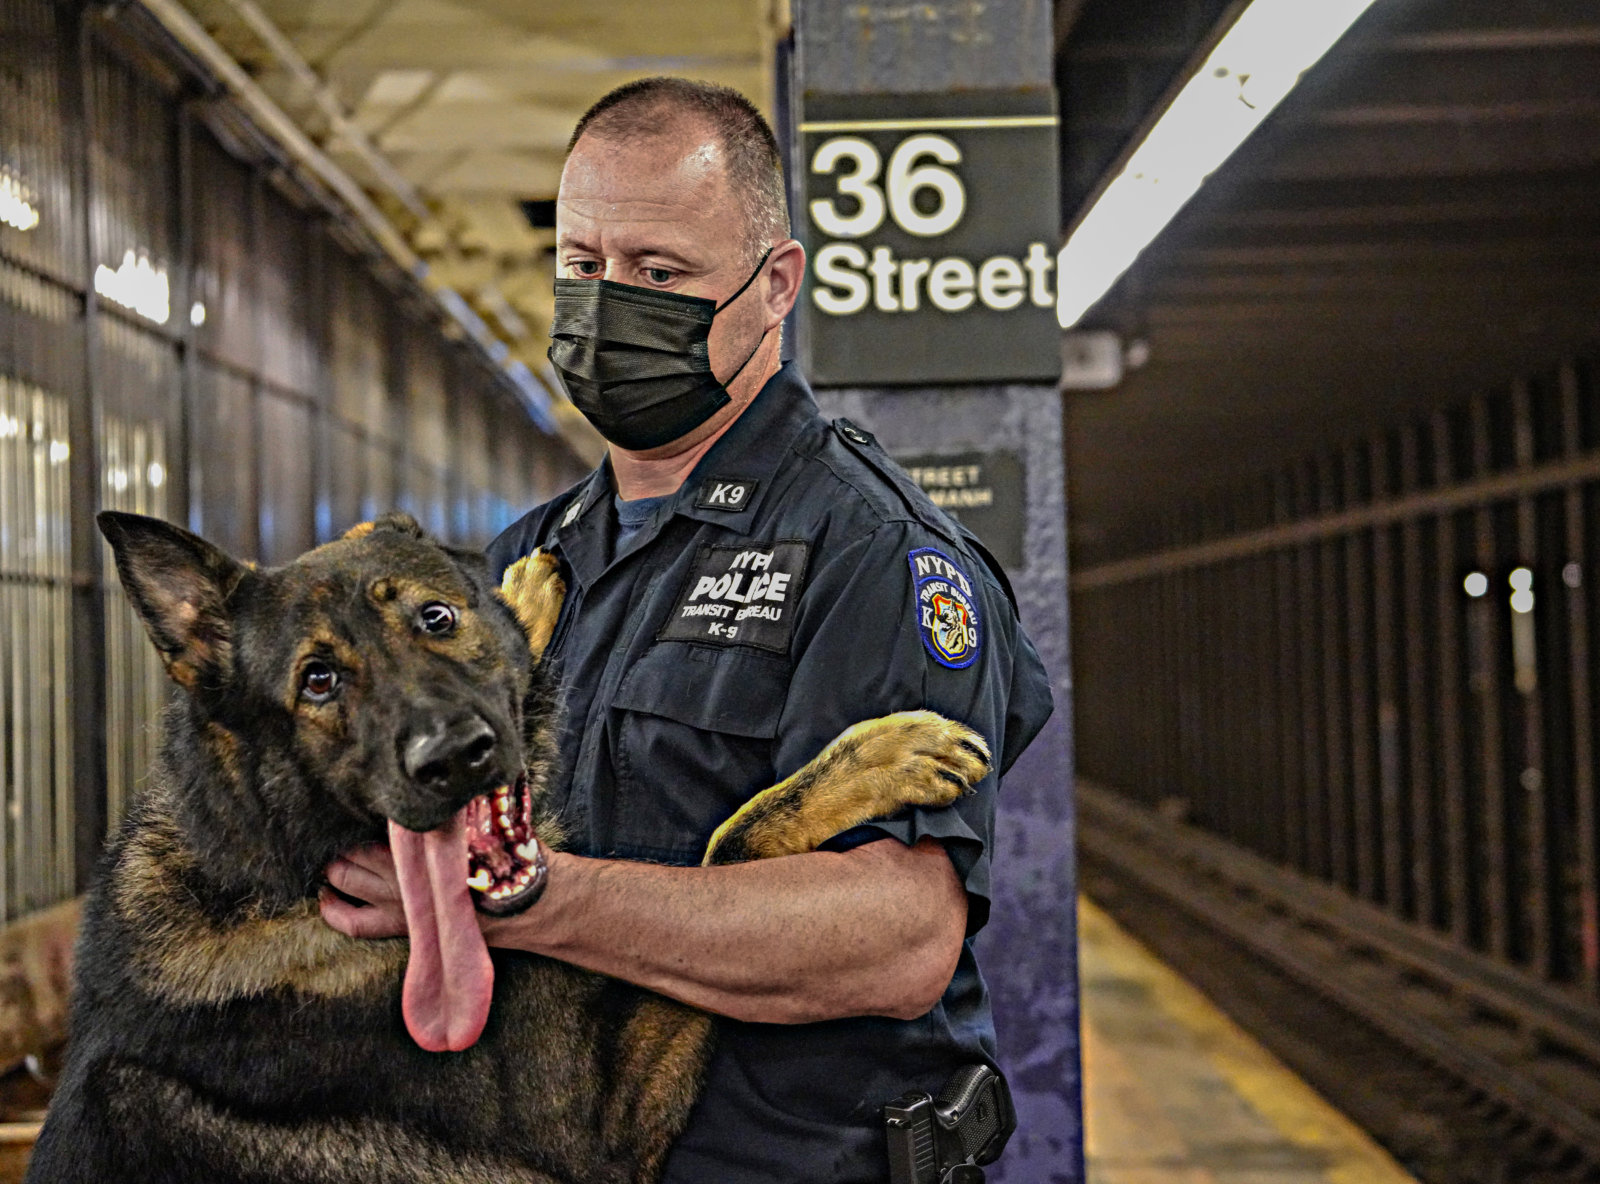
(1469, 1072)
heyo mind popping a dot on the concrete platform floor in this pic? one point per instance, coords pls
(1176, 1093)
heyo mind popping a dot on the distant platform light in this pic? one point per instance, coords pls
(1522, 602)
(16, 203)
(137, 285)
(1476, 584)
(60, 450)
(1257, 63)
(197, 313)
(1572, 575)
(1522, 579)
(157, 474)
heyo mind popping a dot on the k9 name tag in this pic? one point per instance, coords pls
(743, 595)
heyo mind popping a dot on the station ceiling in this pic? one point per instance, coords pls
(1419, 221)
(472, 101)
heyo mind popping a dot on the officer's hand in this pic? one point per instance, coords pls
(366, 873)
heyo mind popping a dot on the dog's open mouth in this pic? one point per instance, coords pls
(486, 855)
(502, 848)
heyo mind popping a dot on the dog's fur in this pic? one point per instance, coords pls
(222, 1032)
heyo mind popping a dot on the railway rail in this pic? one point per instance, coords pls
(1470, 1072)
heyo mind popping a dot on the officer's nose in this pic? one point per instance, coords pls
(442, 754)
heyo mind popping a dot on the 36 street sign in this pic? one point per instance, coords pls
(931, 224)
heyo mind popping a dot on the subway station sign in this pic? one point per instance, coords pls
(983, 491)
(931, 224)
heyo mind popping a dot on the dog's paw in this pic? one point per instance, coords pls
(534, 590)
(921, 758)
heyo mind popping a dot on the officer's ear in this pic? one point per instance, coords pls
(786, 268)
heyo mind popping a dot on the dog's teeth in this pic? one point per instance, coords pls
(480, 879)
(528, 850)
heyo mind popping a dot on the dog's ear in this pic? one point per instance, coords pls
(179, 584)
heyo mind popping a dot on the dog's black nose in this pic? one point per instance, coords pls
(444, 755)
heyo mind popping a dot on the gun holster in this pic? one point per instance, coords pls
(946, 1140)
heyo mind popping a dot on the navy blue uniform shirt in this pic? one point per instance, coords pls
(797, 583)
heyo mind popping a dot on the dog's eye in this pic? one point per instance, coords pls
(318, 681)
(436, 618)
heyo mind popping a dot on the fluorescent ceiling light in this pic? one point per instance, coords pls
(1250, 72)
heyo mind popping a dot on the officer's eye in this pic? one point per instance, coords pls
(436, 618)
(318, 681)
(587, 269)
(658, 275)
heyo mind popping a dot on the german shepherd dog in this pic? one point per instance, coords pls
(380, 688)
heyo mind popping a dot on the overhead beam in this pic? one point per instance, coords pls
(1393, 256)
(1511, 212)
(1290, 153)
(1484, 40)
(1454, 114)
(1372, 288)
(1561, 474)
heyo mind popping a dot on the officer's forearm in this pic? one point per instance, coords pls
(873, 931)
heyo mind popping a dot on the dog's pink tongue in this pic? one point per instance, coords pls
(449, 978)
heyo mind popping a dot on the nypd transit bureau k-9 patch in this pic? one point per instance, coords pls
(947, 608)
(741, 595)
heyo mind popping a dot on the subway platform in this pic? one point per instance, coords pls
(1176, 1093)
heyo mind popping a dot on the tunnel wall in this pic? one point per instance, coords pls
(1301, 667)
(285, 384)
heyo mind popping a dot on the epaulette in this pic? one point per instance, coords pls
(865, 445)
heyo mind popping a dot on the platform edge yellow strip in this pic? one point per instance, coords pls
(1298, 1112)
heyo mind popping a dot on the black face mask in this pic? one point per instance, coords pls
(636, 361)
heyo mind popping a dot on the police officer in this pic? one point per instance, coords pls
(745, 580)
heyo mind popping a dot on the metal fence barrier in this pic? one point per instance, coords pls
(184, 332)
(1377, 668)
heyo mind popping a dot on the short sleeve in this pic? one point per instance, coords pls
(864, 647)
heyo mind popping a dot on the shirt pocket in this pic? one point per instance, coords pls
(695, 728)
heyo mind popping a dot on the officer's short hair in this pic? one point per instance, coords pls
(754, 167)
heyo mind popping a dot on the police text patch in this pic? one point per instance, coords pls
(947, 608)
(718, 493)
(741, 595)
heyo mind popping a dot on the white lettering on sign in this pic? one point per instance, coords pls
(848, 279)
(834, 271)
(950, 285)
(1001, 283)
(905, 181)
(961, 499)
(907, 177)
(856, 184)
(925, 198)
(944, 475)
